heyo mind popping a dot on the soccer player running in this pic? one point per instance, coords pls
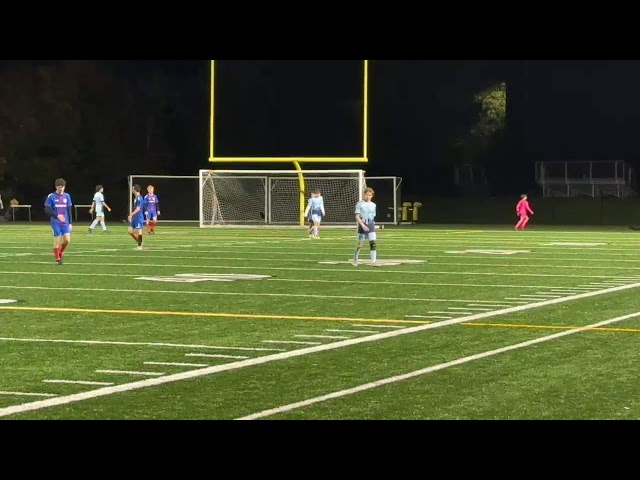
(522, 209)
(365, 220)
(136, 217)
(315, 207)
(100, 205)
(58, 206)
(151, 209)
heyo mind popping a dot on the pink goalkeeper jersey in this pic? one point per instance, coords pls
(522, 208)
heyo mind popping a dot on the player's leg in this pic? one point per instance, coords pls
(102, 224)
(57, 239)
(316, 224)
(519, 224)
(139, 239)
(154, 220)
(524, 222)
(94, 223)
(65, 240)
(356, 255)
(132, 233)
(310, 227)
(372, 247)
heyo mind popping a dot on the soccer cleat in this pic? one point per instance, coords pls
(139, 247)
(90, 230)
(59, 261)
(354, 263)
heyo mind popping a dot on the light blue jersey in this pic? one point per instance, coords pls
(315, 205)
(98, 199)
(367, 210)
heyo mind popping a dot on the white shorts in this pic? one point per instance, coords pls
(99, 212)
(316, 218)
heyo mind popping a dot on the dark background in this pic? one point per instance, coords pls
(99, 121)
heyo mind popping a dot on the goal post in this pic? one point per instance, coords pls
(276, 197)
(181, 196)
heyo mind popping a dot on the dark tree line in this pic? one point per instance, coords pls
(96, 122)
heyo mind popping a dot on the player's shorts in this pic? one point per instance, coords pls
(99, 213)
(370, 235)
(151, 216)
(59, 229)
(316, 218)
(136, 223)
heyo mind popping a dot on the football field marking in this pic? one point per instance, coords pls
(306, 280)
(366, 271)
(202, 314)
(145, 344)
(424, 371)
(26, 394)
(127, 387)
(77, 382)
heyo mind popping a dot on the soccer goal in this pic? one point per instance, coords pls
(276, 197)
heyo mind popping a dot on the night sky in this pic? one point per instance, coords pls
(557, 110)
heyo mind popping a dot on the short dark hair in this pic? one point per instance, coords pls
(60, 182)
(136, 187)
(315, 190)
(523, 196)
(98, 188)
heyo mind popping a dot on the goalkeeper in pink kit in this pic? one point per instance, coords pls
(523, 209)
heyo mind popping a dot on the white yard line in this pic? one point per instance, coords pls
(77, 382)
(147, 344)
(127, 387)
(214, 355)
(27, 394)
(307, 280)
(236, 294)
(424, 371)
(146, 266)
(131, 372)
(294, 342)
(178, 364)
(337, 330)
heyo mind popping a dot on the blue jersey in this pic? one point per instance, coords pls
(367, 210)
(151, 203)
(59, 205)
(138, 202)
(316, 206)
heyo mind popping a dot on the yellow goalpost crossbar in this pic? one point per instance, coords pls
(295, 160)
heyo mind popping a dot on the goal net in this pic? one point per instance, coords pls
(279, 197)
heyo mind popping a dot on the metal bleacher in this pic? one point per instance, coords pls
(586, 179)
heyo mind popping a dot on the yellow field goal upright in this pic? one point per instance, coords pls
(297, 160)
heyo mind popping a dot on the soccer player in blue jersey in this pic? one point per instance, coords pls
(136, 217)
(365, 221)
(151, 209)
(58, 206)
(315, 211)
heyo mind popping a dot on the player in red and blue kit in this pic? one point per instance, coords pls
(136, 217)
(58, 206)
(151, 209)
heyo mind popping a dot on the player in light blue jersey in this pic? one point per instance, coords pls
(136, 217)
(365, 220)
(58, 206)
(315, 212)
(98, 204)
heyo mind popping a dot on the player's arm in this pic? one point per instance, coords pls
(529, 209)
(93, 202)
(157, 206)
(322, 207)
(69, 210)
(135, 210)
(306, 211)
(360, 220)
(50, 210)
(104, 204)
